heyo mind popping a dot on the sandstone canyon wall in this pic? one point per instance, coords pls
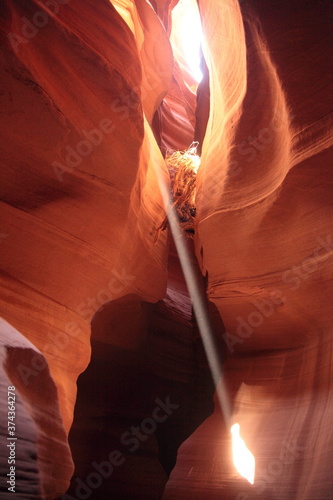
(98, 335)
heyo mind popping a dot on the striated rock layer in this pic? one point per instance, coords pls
(264, 233)
(93, 94)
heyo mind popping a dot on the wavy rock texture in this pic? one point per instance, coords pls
(93, 94)
(77, 179)
(39, 431)
(264, 230)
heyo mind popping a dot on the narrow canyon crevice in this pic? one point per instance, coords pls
(156, 354)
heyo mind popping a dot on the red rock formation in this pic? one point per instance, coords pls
(91, 99)
(264, 231)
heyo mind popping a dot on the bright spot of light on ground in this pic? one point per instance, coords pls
(243, 459)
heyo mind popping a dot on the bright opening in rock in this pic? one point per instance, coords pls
(243, 459)
(188, 32)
